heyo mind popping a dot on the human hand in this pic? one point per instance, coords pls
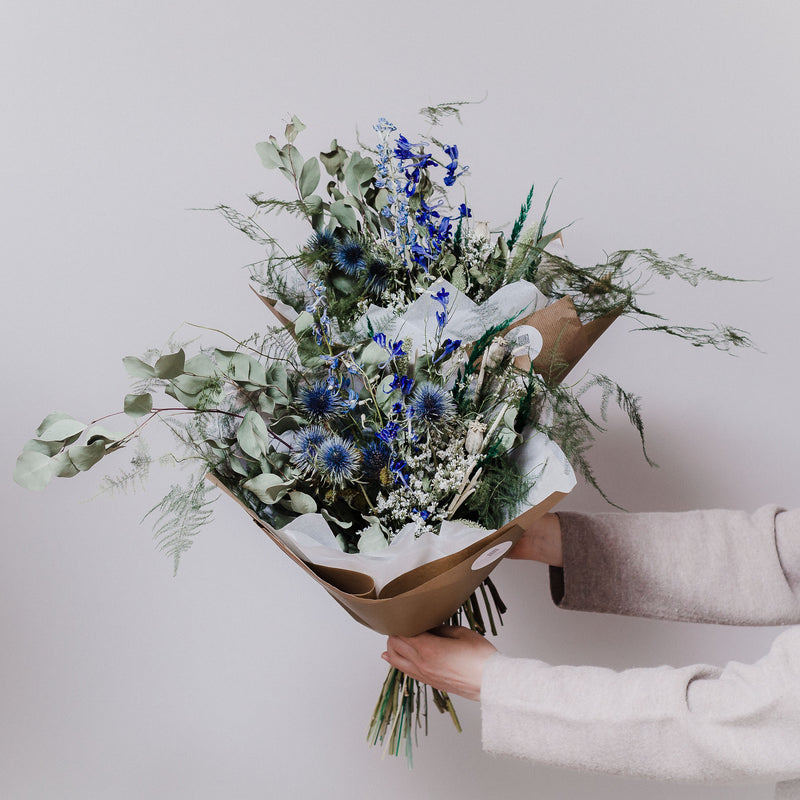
(541, 542)
(448, 658)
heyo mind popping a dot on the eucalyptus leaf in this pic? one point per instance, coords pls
(59, 429)
(294, 128)
(252, 435)
(62, 466)
(309, 177)
(381, 199)
(372, 539)
(138, 405)
(268, 488)
(292, 161)
(171, 365)
(334, 158)
(288, 422)
(33, 470)
(48, 448)
(85, 456)
(303, 323)
(98, 433)
(344, 215)
(266, 404)
(302, 503)
(246, 370)
(195, 392)
(278, 379)
(269, 154)
(364, 172)
(372, 355)
(51, 419)
(344, 283)
(201, 365)
(314, 204)
(137, 368)
(328, 517)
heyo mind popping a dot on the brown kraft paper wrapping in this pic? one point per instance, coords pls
(566, 339)
(417, 600)
(270, 304)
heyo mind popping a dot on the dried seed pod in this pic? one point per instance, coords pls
(473, 443)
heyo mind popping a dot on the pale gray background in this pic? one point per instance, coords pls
(672, 125)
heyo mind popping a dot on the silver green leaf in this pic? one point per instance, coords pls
(344, 215)
(294, 128)
(309, 177)
(302, 503)
(33, 470)
(58, 427)
(252, 435)
(138, 405)
(137, 368)
(171, 365)
(269, 154)
(268, 488)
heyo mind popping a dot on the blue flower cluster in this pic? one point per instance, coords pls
(401, 170)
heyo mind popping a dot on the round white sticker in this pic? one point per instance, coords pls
(525, 341)
(490, 555)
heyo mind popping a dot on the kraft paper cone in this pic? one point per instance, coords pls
(566, 339)
(422, 598)
(270, 304)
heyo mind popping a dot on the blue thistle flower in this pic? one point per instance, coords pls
(321, 243)
(378, 273)
(349, 256)
(338, 460)
(320, 402)
(375, 458)
(306, 444)
(432, 404)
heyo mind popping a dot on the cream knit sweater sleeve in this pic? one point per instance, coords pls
(697, 723)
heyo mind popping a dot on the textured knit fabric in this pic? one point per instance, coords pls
(696, 723)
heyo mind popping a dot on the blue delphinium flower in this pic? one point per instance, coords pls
(320, 402)
(349, 256)
(338, 460)
(396, 466)
(393, 347)
(305, 446)
(464, 211)
(401, 382)
(389, 432)
(432, 404)
(442, 296)
(448, 346)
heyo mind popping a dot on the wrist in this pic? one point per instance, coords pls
(541, 542)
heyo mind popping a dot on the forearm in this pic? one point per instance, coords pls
(703, 566)
(698, 723)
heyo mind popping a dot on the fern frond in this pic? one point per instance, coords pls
(720, 337)
(182, 512)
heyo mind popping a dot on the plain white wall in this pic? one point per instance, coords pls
(672, 125)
